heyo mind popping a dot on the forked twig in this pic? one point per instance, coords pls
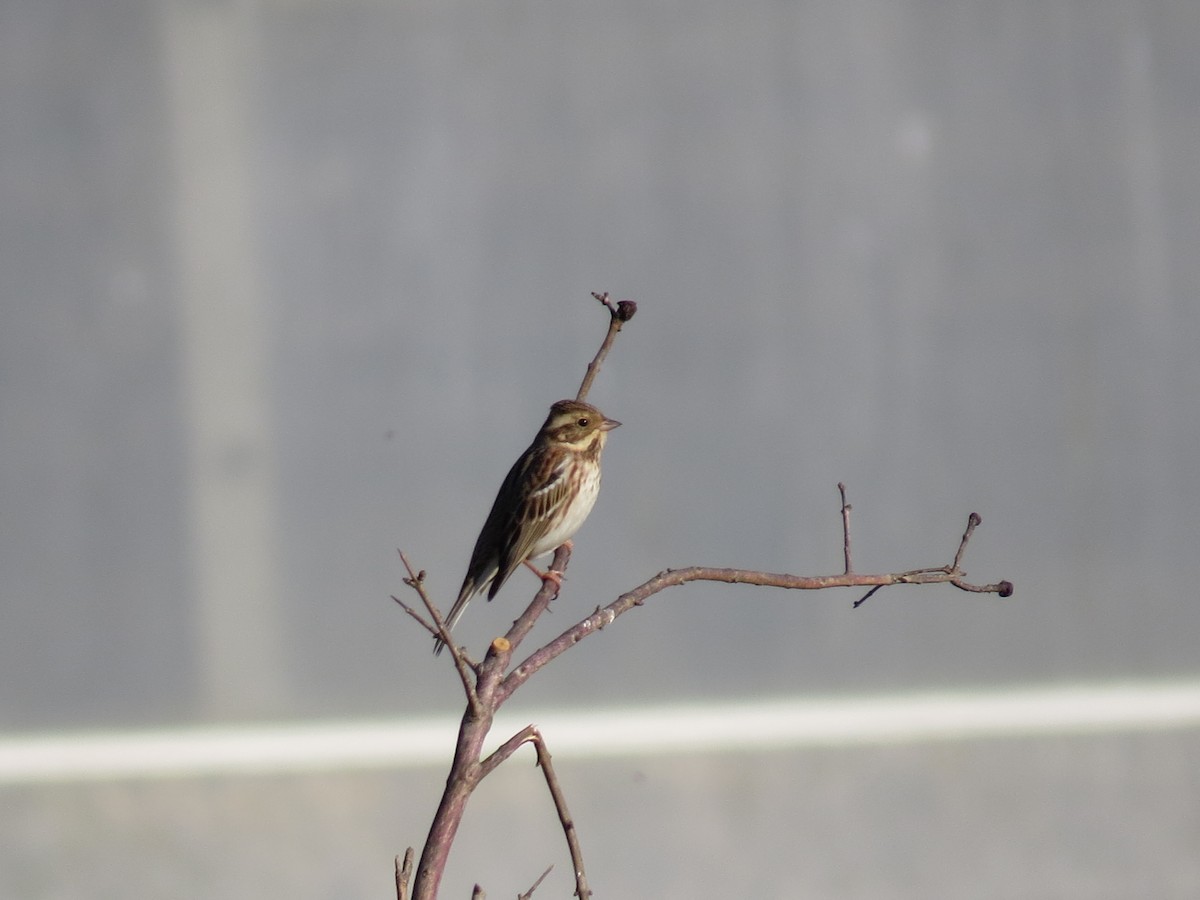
(403, 874)
(951, 574)
(530, 734)
(416, 581)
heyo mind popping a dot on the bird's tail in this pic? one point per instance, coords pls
(469, 589)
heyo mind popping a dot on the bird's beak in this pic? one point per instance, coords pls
(609, 424)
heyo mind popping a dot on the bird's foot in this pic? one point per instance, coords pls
(548, 575)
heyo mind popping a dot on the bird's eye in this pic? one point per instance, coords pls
(582, 422)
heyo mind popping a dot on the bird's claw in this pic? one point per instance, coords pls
(547, 575)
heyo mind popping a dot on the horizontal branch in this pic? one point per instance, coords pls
(675, 577)
(606, 615)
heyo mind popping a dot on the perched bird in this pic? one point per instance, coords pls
(544, 499)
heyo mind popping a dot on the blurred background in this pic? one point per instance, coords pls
(287, 285)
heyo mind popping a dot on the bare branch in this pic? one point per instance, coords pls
(582, 891)
(416, 581)
(845, 528)
(416, 615)
(464, 666)
(489, 683)
(973, 521)
(533, 887)
(867, 596)
(504, 751)
(1000, 588)
(403, 874)
(620, 313)
(483, 691)
(951, 574)
(530, 734)
(541, 600)
(604, 616)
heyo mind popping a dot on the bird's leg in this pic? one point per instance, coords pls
(550, 574)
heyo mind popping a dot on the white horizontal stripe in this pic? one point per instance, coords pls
(753, 725)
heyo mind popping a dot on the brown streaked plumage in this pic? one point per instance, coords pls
(546, 496)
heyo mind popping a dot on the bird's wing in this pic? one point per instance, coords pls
(542, 488)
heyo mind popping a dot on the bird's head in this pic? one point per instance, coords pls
(577, 425)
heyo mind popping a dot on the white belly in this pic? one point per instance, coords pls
(577, 512)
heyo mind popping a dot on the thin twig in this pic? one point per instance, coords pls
(867, 596)
(465, 668)
(494, 759)
(620, 313)
(973, 521)
(530, 734)
(951, 574)
(416, 581)
(582, 891)
(430, 627)
(1000, 588)
(416, 615)
(403, 874)
(845, 528)
(533, 887)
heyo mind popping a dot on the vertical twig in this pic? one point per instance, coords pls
(973, 521)
(621, 313)
(845, 528)
(582, 891)
(403, 874)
